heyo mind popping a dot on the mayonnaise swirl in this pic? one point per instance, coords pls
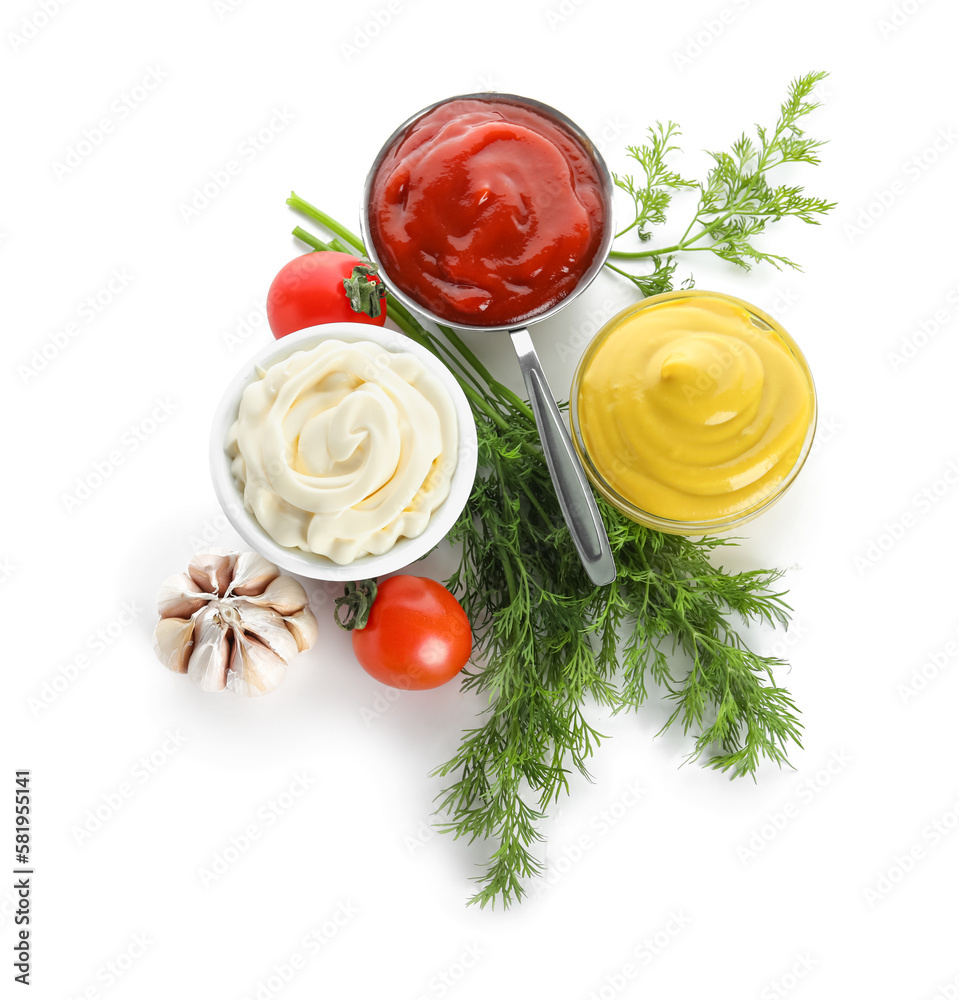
(343, 449)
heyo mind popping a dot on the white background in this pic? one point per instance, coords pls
(728, 903)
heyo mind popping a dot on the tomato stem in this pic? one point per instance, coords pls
(355, 604)
(366, 295)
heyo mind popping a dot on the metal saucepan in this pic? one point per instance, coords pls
(572, 488)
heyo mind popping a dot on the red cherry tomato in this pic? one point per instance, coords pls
(309, 291)
(417, 635)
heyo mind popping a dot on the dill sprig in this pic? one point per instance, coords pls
(736, 201)
(547, 642)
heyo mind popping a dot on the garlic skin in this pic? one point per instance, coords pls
(232, 621)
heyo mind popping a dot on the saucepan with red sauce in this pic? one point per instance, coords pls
(490, 212)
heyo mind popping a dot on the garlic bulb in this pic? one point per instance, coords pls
(231, 621)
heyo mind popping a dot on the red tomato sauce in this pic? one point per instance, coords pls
(486, 212)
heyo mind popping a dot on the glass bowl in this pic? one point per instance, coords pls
(760, 322)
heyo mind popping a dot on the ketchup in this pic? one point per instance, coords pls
(486, 212)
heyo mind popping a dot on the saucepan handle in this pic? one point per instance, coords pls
(572, 487)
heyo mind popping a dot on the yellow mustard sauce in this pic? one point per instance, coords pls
(693, 408)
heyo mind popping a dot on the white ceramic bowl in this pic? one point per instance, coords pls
(308, 564)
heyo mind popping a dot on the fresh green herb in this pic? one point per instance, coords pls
(736, 201)
(547, 641)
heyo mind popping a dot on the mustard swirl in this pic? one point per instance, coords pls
(692, 410)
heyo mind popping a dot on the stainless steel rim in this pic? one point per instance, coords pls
(602, 252)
